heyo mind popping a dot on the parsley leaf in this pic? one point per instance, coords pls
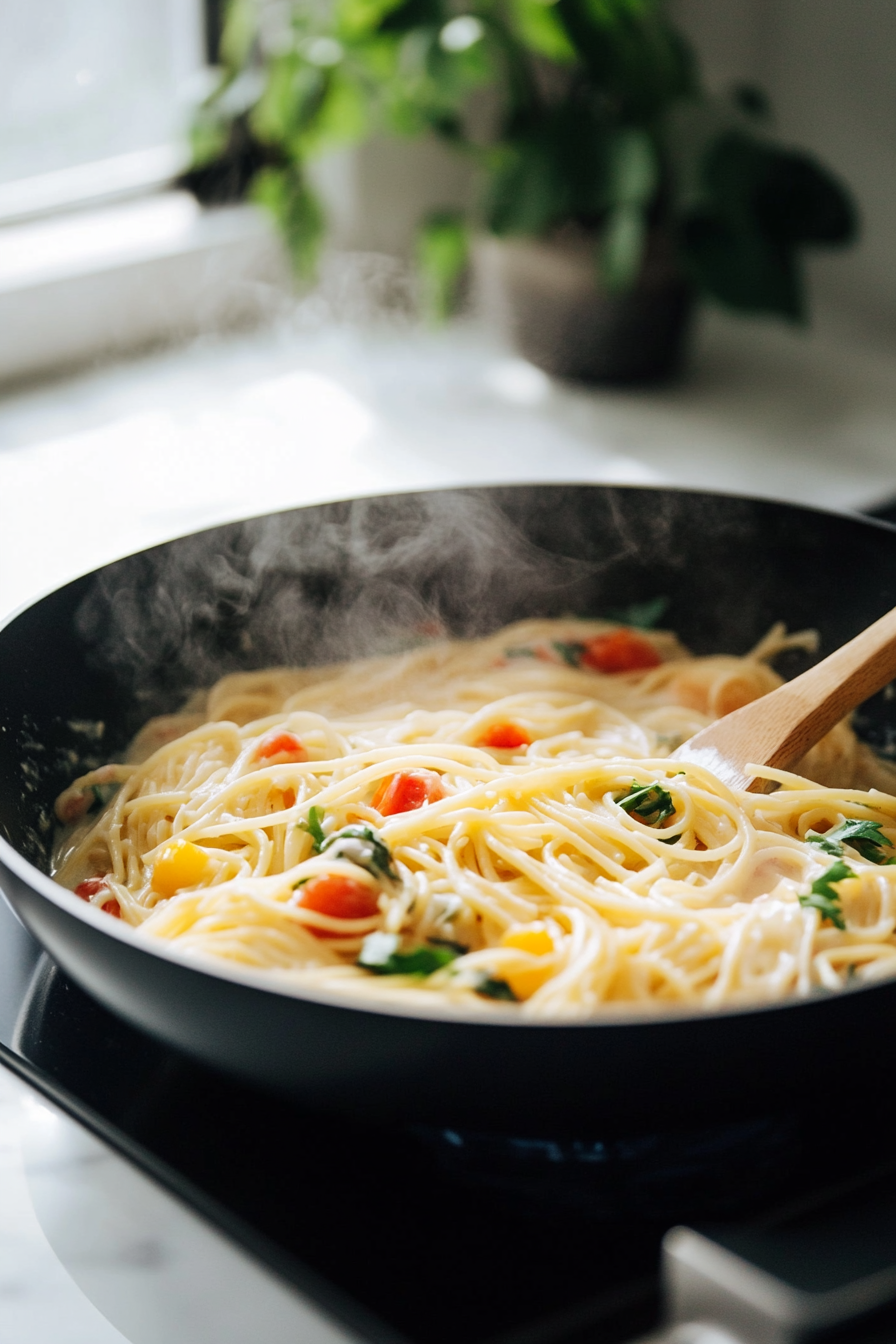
(361, 845)
(650, 803)
(641, 615)
(314, 828)
(380, 953)
(825, 898)
(490, 987)
(864, 836)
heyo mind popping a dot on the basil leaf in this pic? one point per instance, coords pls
(492, 988)
(458, 948)
(380, 954)
(361, 845)
(570, 653)
(823, 896)
(314, 828)
(103, 793)
(650, 803)
(641, 615)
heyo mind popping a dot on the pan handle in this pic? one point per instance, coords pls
(827, 1273)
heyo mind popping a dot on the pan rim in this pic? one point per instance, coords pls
(850, 515)
(489, 1015)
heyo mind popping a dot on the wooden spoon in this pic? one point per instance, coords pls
(779, 728)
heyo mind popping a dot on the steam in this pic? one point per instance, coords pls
(324, 584)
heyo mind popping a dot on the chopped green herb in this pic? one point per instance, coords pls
(361, 845)
(650, 803)
(570, 653)
(103, 792)
(864, 836)
(313, 825)
(641, 615)
(825, 898)
(380, 954)
(457, 948)
(520, 653)
(492, 988)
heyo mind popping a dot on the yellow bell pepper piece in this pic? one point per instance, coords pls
(535, 939)
(180, 864)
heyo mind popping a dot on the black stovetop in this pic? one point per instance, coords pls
(425, 1234)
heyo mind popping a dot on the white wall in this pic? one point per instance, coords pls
(830, 69)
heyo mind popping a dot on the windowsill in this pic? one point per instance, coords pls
(80, 287)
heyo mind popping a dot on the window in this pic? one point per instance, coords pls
(95, 98)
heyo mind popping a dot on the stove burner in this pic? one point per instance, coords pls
(717, 1170)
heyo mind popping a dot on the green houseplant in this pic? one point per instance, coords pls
(596, 148)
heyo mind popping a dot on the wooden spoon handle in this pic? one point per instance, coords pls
(779, 729)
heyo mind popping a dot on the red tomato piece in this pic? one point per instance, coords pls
(620, 651)
(504, 736)
(280, 749)
(340, 898)
(407, 791)
(91, 887)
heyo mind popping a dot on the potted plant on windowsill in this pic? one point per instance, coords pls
(614, 190)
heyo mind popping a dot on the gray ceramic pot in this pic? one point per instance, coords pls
(544, 297)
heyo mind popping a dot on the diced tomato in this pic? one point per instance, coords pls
(620, 651)
(407, 791)
(505, 736)
(280, 749)
(91, 887)
(340, 898)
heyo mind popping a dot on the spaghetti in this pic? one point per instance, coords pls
(495, 822)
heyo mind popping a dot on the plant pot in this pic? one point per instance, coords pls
(545, 298)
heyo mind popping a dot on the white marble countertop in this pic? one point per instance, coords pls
(116, 459)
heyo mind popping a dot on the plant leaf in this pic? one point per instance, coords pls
(623, 239)
(538, 26)
(284, 192)
(442, 254)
